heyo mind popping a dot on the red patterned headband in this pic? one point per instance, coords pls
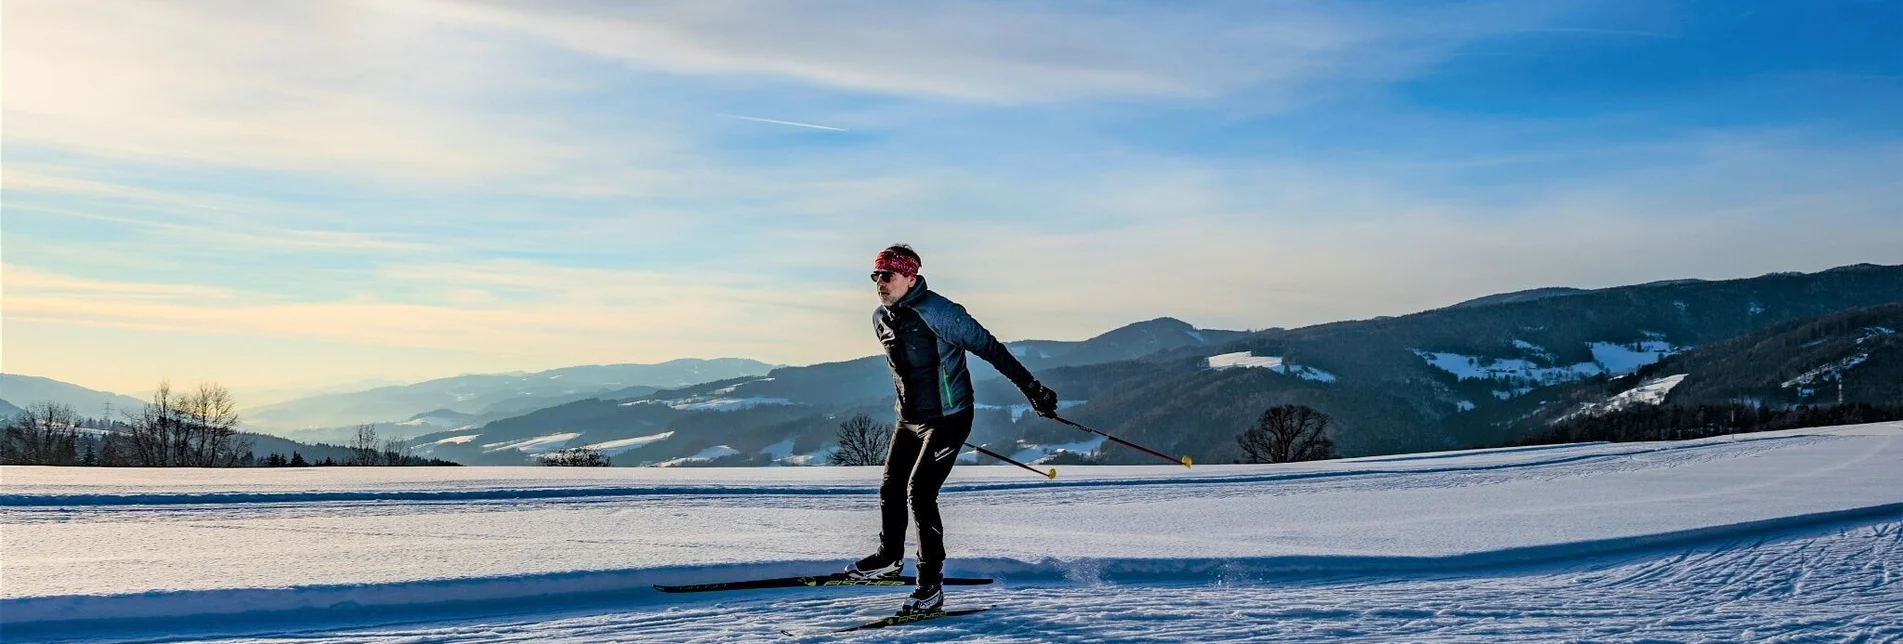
(892, 261)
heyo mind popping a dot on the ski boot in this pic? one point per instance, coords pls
(875, 567)
(924, 599)
(930, 594)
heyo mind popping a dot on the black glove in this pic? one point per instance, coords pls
(1043, 400)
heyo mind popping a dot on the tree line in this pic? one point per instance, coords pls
(195, 428)
(1282, 434)
(1685, 422)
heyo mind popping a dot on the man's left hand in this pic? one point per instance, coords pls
(1043, 400)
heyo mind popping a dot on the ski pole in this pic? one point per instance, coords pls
(1184, 461)
(1048, 475)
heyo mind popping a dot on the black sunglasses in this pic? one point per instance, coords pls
(884, 276)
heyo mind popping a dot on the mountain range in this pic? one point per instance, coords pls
(1472, 373)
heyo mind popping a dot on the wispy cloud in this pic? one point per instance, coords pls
(457, 185)
(792, 123)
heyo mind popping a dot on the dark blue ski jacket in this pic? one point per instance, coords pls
(926, 337)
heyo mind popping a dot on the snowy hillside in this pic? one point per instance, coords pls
(1795, 534)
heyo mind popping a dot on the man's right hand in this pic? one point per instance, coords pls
(1043, 400)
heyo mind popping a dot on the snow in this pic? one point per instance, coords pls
(1248, 359)
(1533, 349)
(458, 440)
(1032, 453)
(1471, 368)
(1620, 358)
(1018, 411)
(726, 404)
(779, 450)
(1465, 405)
(1305, 373)
(702, 456)
(1243, 359)
(1787, 536)
(1649, 392)
(1828, 371)
(618, 446)
(534, 445)
(1608, 358)
(782, 453)
(815, 457)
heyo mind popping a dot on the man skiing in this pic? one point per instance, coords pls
(926, 337)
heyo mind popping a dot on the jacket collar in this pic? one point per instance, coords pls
(913, 296)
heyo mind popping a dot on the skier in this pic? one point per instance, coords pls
(926, 337)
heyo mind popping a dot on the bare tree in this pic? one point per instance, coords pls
(47, 433)
(396, 451)
(862, 441)
(196, 429)
(151, 434)
(576, 457)
(211, 418)
(363, 447)
(1288, 433)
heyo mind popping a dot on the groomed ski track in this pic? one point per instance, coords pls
(1790, 535)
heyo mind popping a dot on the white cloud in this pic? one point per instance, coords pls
(974, 51)
(333, 88)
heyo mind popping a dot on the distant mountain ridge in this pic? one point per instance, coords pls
(497, 395)
(1473, 373)
(23, 391)
(1436, 379)
(1855, 356)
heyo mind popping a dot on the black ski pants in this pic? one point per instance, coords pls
(920, 457)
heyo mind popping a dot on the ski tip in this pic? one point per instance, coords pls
(1051, 474)
(1186, 461)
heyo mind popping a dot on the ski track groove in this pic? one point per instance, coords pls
(1799, 583)
(1640, 456)
(1587, 600)
(84, 508)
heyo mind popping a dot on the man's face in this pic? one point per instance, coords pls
(892, 286)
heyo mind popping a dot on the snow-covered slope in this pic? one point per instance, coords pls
(1786, 534)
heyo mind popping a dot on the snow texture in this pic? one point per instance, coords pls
(1018, 411)
(1779, 536)
(1466, 367)
(1533, 349)
(1828, 371)
(1608, 358)
(726, 404)
(1649, 392)
(1039, 453)
(779, 450)
(702, 456)
(534, 445)
(1621, 358)
(1247, 359)
(618, 446)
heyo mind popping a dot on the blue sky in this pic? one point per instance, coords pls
(295, 194)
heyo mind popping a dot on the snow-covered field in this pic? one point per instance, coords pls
(1786, 536)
